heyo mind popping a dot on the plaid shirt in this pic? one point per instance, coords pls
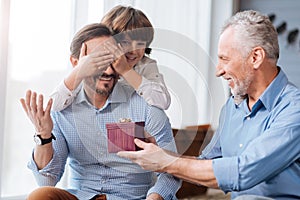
(81, 138)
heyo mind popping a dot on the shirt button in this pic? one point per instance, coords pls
(241, 145)
(141, 93)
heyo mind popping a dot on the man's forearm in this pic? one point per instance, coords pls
(43, 155)
(157, 159)
(197, 171)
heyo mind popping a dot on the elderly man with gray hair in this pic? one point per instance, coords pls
(255, 152)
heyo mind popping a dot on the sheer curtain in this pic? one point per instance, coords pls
(35, 37)
(4, 14)
(37, 58)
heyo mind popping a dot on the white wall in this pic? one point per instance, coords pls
(285, 11)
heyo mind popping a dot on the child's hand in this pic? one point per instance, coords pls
(94, 63)
(120, 63)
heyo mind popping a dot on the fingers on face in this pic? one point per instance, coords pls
(102, 67)
(102, 61)
(102, 58)
(100, 49)
(108, 51)
(114, 49)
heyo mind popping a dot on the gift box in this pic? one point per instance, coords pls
(120, 136)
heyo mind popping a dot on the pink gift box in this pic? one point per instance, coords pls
(120, 136)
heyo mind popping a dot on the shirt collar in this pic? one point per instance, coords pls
(121, 93)
(271, 95)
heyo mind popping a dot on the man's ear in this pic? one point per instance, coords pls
(74, 61)
(257, 57)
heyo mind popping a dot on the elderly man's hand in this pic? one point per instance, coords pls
(151, 158)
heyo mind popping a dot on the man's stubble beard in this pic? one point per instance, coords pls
(240, 91)
(105, 92)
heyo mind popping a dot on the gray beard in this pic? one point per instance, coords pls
(239, 98)
(240, 93)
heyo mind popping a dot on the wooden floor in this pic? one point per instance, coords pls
(211, 194)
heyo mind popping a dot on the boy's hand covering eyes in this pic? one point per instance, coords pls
(120, 63)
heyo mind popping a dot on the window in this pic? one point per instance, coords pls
(34, 55)
(38, 41)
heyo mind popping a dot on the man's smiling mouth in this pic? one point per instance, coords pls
(106, 77)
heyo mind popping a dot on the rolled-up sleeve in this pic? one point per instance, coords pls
(166, 186)
(227, 173)
(49, 175)
(155, 93)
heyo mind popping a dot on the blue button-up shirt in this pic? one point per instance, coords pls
(81, 136)
(258, 152)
